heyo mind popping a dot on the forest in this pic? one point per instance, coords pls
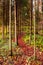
(21, 32)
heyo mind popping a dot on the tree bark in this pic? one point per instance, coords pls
(10, 36)
(3, 20)
(15, 21)
(31, 9)
(34, 23)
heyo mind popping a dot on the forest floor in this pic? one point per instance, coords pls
(22, 55)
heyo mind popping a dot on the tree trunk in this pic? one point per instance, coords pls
(31, 9)
(7, 15)
(34, 24)
(3, 20)
(10, 40)
(15, 21)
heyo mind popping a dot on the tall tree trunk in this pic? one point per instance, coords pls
(18, 16)
(31, 9)
(10, 36)
(37, 16)
(7, 15)
(34, 23)
(15, 21)
(3, 20)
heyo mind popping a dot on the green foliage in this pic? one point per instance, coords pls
(38, 43)
(23, 2)
(24, 8)
(26, 38)
(25, 13)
